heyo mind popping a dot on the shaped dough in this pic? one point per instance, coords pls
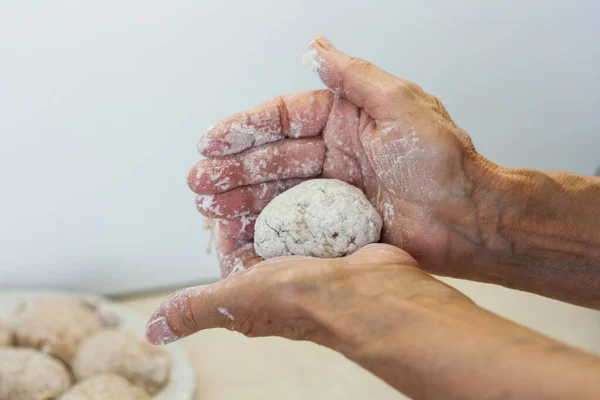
(323, 218)
(124, 354)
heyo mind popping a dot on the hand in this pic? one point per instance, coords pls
(379, 309)
(286, 296)
(373, 130)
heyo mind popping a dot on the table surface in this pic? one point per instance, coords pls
(231, 366)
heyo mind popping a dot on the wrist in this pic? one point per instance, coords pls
(541, 233)
(469, 218)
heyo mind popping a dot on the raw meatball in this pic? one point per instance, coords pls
(124, 354)
(27, 374)
(323, 218)
(105, 387)
(6, 336)
(56, 326)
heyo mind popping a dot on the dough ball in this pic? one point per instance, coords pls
(6, 336)
(105, 387)
(56, 326)
(125, 354)
(323, 218)
(27, 374)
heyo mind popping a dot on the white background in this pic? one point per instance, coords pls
(101, 105)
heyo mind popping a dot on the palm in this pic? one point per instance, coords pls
(405, 174)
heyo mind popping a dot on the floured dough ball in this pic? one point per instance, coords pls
(56, 326)
(6, 336)
(105, 387)
(323, 218)
(125, 354)
(27, 374)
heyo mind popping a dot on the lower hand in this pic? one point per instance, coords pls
(379, 309)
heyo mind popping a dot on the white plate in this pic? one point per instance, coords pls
(182, 383)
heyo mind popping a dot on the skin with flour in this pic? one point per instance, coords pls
(453, 211)
(456, 212)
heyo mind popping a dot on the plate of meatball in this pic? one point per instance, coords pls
(70, 346)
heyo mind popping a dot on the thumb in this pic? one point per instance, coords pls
(357, 80)
(257, 302)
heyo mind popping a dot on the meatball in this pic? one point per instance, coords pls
(27, 374)
(125, 354)
(323, 218)
(56, 326)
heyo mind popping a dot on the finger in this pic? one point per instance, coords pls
(359, 81)
(301, 158)
(241, 227)
(250, 302)
(239, 260)
(242, 201)
(293, 116)
(175, 317)
(234, 252)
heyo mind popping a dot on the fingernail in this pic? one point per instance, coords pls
(159, 333)
(316, 54)
(208, 146)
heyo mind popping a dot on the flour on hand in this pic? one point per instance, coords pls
(323, 218)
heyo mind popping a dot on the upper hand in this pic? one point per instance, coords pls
(371, 129)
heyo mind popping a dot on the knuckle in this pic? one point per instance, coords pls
(281, 107)
(186, 318)
(414, 87)
(397, 90)
(439, 106)
(466, 141)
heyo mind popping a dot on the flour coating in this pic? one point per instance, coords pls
(323, 218)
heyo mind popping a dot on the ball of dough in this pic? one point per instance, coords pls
(56, 326)
(6, 336)
(105, 387)
(323, 218)
(27, 374)
(125, 354)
